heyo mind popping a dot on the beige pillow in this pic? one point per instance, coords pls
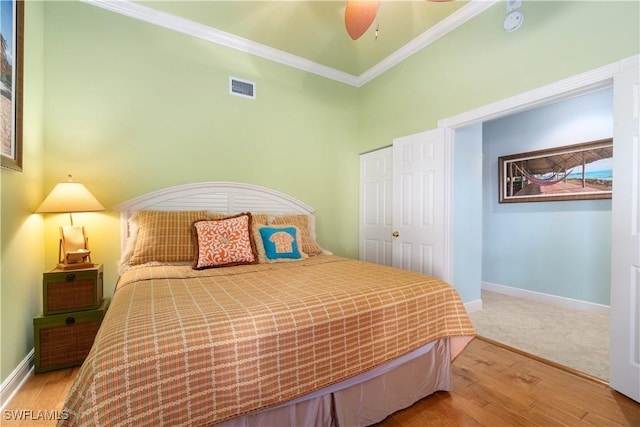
(260, 246)
(165, 236)
(306, 225)
(130, 245)
(257, 219)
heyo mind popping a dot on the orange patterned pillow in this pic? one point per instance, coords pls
(165, 236)
(224, 242)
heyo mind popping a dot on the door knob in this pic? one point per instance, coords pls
(395, 234)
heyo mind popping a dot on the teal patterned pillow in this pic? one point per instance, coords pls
(280, 242)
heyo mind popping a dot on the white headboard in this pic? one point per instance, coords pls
(217, 196)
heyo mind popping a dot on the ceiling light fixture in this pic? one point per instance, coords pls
(360, 14)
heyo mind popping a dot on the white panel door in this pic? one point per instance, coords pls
(625, 239)
(375, 206)
(418, 202)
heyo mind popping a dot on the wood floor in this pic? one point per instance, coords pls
(493, 386)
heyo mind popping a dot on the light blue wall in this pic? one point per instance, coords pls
(559, 248)
(467, 212)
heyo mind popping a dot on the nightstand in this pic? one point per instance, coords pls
(63, 340)
(65, 291)
(73, 309)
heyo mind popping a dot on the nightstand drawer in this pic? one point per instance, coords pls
(71, 290)
(64, 340)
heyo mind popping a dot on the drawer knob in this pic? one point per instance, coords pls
(71, 277)
(70, 320)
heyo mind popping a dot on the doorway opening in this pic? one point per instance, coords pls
(508, 125)
(554, 254)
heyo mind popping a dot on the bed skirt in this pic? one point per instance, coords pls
(368, 398)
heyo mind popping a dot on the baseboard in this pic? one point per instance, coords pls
(16, 379)
(555, 300)
(473, 306)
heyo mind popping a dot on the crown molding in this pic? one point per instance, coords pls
(451, 22)
(186, 26)
(195, 29)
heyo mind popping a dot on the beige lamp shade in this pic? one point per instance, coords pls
(68, 197)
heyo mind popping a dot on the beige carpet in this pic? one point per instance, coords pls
(577, 339)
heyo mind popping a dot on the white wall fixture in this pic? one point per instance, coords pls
(513, 5)
(514, 18)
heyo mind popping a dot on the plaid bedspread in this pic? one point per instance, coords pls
(185, 347)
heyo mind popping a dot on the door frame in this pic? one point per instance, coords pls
(590, 81)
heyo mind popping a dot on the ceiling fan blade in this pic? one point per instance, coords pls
(359, 16)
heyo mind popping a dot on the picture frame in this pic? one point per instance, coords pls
(571, 172)
(11, 82)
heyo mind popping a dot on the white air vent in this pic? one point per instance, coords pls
(242, 88)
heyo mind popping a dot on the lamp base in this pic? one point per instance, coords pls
(75, 266)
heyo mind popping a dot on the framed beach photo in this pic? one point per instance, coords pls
(11, 32)
(572, 172)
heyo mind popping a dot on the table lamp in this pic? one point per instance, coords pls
(70, 196)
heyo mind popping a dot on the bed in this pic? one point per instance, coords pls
(228, 312)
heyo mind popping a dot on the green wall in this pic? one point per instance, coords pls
(128, 107)
(479, 63)
(22, 230)
(142, 107)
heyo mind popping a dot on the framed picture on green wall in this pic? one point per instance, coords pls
(11, 31)
(571, 172)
